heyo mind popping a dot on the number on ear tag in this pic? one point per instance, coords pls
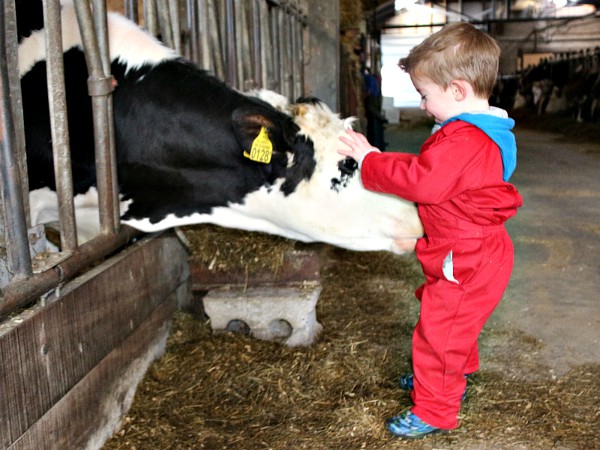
(262, 148)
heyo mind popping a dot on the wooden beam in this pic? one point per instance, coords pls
(46, 351)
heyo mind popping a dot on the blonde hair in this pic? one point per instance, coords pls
(459, 51)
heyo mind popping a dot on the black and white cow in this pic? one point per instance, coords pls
(181, 135)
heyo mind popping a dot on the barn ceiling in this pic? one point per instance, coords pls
(382, 10)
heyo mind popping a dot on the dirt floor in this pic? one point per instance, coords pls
(539, 382)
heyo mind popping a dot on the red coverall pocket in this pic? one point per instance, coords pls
(466, 259)
(455, 261)
(431, 254)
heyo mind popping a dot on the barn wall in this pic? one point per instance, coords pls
(69, 368)
(553, 36)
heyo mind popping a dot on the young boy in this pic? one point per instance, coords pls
(460, 183)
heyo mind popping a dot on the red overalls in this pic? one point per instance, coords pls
(466, 254)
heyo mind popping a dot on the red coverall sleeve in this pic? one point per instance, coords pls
(445, 167)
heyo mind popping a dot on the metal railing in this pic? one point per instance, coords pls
(249, 43)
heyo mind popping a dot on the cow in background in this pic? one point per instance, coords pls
(184, 144)
(568, 85)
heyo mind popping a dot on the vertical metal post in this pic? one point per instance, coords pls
(131, 10)
(150, 19)
(275, 35)
(256, 47)
(204, 32)
(175, 25)
(110, 159)
(193, 22)
(215, 28)
(283, 50)
(267, 45)
(100, 87)
(57, 101)
(299, 52)
(240, 44)
(230, 52)
(164, 21)
(12, 57)
(19, 260)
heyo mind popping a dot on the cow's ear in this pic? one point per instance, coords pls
(248, 121)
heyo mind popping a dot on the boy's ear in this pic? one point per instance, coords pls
(460, 89)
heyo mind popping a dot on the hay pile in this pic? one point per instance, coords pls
(223, 250)
(234, 392)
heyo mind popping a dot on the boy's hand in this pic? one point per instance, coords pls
(358, 146)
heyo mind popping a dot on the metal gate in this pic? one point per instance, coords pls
(250, 44)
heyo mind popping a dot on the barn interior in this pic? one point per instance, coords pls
(108, 344)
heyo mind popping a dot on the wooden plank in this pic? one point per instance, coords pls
(45, 351)
(92, 410)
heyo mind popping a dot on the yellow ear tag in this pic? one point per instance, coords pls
(262, 148)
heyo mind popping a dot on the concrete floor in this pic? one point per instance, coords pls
(553, 295)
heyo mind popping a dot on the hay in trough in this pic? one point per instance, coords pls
(223, 250)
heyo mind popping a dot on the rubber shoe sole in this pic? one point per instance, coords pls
(408, 426)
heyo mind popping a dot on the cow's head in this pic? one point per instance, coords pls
(322, 197)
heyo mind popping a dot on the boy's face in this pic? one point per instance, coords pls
(438, 103)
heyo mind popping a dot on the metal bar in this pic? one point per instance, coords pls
(298, 57)
(100, 86)
(12, 56)
(276, 81)
(283, 51)
(204, 12)
(131, 10)
(257, 45)
(164, 21)
(560, 21)
(57, 101)
(19, 260)
(267, 47)
(20, 293)
(230, 52)
(109, 158)
(216, 48)
(241, 49)
(193, 22)
(175, 25)
(150, 17)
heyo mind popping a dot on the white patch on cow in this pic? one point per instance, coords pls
(33, 48)
(276, 100)
(128, 42)
(44, 210)
(351, 217)
(132, 45)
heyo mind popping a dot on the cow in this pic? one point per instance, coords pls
(184, 144)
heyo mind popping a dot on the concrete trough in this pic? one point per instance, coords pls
(279, 313)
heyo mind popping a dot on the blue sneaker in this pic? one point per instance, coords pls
(406, 383)
(407, 425)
